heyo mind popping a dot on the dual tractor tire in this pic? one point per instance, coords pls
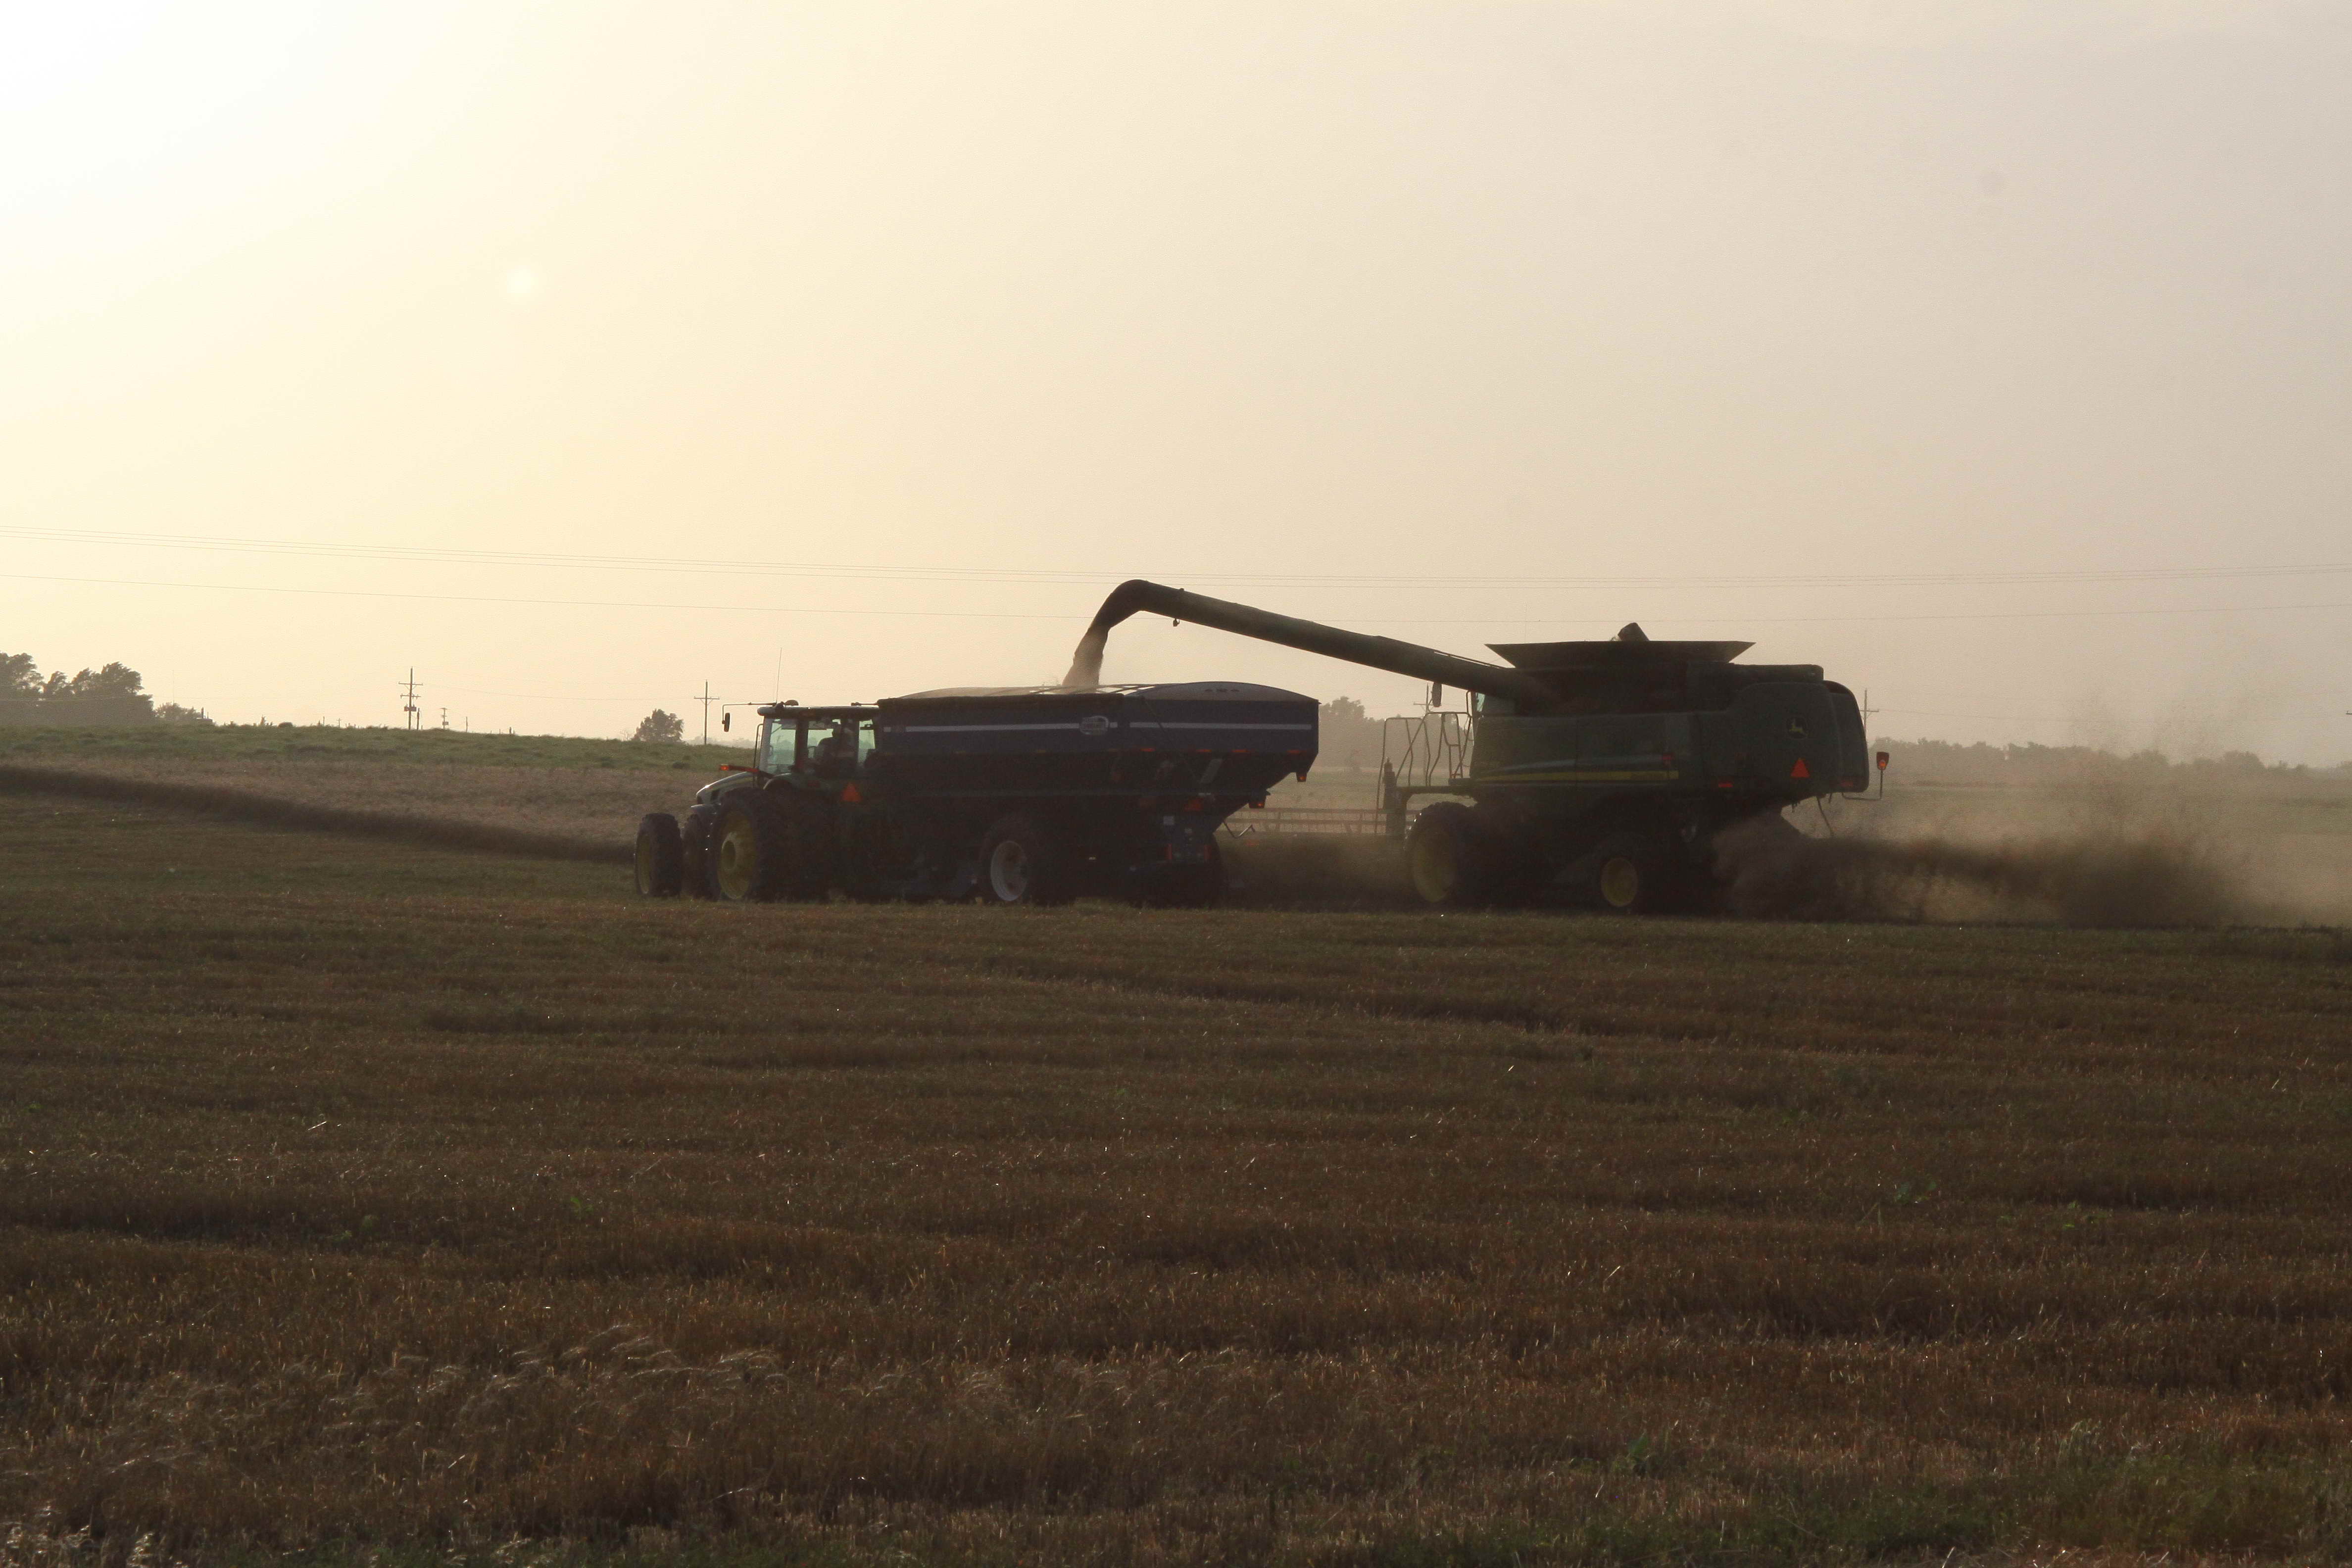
(762, 850)
(751, 850)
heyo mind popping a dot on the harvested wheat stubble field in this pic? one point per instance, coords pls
(370, 1202)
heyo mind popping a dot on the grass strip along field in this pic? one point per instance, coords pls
(355, 1195)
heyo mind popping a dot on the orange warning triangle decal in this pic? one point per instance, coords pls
(1801, 770)
(851, 797)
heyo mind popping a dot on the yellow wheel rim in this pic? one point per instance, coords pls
(739, 860)
(1621, 882)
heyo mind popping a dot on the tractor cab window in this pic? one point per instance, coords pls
(779, 746)
(864, 740)
(832, 746)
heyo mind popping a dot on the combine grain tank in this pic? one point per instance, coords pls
(1031, 794)
(1607, 769)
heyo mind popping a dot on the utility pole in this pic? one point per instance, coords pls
(445, 718)
(706, 712)
(412, 711)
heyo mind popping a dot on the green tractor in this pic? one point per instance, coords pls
(1025, 795)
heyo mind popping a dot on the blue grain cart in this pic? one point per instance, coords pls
(1024, 796)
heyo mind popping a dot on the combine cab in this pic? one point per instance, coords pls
(1030, 795)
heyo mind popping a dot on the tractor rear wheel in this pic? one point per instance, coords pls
(661, 856)
(812, 857)
(1022, 862)
(747, 852)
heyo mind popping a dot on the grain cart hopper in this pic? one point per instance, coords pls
(1031, 794)
(1610, 767)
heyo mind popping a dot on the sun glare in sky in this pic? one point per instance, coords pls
(1994, 357)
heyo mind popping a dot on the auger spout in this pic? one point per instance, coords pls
(1138, 597)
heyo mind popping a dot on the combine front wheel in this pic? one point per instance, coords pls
(1447, 855)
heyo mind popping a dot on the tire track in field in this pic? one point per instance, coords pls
(269, 811)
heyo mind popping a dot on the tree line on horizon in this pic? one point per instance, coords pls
(113, 694)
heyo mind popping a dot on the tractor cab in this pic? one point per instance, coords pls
(814, 743)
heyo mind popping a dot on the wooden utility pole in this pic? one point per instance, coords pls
(706, 712)
(412, 711)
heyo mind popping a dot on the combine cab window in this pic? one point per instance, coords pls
(864, 740)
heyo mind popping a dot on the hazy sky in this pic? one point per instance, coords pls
(1997, 357)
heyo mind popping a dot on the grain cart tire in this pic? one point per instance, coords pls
(1449, 858)
(749, 849)
(1637, 873)
(695, 834)
(1197, 886)
(660, 856)
(1022, 862)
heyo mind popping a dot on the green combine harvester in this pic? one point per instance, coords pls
(1604, 770)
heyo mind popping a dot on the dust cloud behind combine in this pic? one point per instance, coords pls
(2116, 845)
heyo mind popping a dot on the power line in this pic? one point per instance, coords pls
(511, 599)
(574, 560)
(1740, 618)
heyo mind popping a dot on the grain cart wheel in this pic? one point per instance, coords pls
(695, 835)
(1636, 874)
(661, 856)
(1448, 856)
(1021, 861)
(747, 852)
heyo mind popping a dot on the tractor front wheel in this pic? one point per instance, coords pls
(661, 856)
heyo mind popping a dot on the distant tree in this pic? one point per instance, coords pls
(172, 713)
(660, 726)
(1349, 737)
(114, 680)
(19, 676)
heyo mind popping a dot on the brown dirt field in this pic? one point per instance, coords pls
(357, 1199)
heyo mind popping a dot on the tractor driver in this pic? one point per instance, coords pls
(830, 754)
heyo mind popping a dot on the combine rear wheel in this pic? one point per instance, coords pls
(661, 856)
(1636, 874)
(1021, 861)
